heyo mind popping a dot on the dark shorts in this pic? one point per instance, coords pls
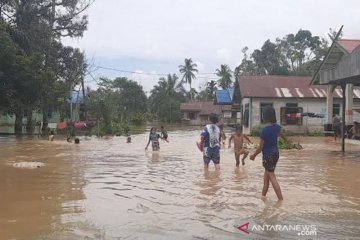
(270, 161)
(212, 155)
(337, 130)
(155, 146)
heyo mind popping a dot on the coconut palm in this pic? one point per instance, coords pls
(166, 97)
(210, 89)
(225, 75)
(188, 70)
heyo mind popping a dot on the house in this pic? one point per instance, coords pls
(299, 107)
(224, 97)
(7, 120)
(197, 113)
(341, 67)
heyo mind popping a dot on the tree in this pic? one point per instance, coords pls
(246, 67)
(129, 96)
(37, 27)
(225, 75)
(7, 63)
(188, 70)
(166, 97)
(269, 59)
(211, 89)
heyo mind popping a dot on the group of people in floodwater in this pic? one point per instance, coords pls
(212, 136)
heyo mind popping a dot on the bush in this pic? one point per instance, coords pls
(255, 131)
(288, 145)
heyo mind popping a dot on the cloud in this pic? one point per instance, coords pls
(210, 32)
(223, 54)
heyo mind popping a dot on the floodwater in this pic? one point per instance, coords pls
(107, 189)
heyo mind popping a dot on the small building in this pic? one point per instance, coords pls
(7, 119)
(299, 107)
(197, 113)
(341, 67)
(224, 97)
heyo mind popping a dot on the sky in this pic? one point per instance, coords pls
(153, 37)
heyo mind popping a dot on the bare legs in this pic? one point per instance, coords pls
(217, 167)
(237, 158)
(243, 159)
(270, 177)
(206, 167)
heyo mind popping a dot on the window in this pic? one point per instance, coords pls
(291, 114)
(262, 106)
(192, 115)
(336, 109)
(49, 114)
(246, 115)
(25, 114)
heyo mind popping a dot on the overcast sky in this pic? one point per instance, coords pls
(157, 35)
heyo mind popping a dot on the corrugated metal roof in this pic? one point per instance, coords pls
(204, 108)
(349, 44)
(224, 96)
(284, 87)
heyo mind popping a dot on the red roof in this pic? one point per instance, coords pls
(284, 87)
(205, 108)
(349, 44)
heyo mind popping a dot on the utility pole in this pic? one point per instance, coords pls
(71, 110)
(170, 111)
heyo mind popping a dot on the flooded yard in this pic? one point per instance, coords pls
(107, 189)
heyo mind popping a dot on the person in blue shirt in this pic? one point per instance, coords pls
(210, 140)
(269, 148)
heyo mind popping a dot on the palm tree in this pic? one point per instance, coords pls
(188, 70)
(225, 75)
(211, 88)
(166, 97)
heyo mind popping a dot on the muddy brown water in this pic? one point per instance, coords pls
(107, 189)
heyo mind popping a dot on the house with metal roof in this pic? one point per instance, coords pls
(341, 67)
(197, 113)
(299, 106)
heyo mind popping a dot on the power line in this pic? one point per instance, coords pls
(151, 74)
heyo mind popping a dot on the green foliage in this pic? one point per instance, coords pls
(188, 71)
(39, 63)
(315, 134)
(138, 118)
(165, 99)
(118, 101)
(294, 54)
(256, 130)
(225, 75)
(282, 144)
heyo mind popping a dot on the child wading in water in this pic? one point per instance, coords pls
(154, 139)
(210, 143)
(269, 148)
(239, 145)
(164, 133)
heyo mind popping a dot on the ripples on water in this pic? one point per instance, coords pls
(107, 189)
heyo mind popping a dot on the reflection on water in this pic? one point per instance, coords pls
(107, 189)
